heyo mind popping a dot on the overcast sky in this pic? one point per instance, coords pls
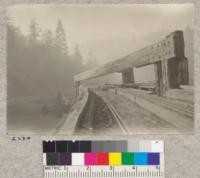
(87, 24)
(84, 23)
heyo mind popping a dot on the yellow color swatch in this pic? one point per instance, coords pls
(115, 158)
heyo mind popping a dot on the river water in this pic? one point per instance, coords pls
(25, 116)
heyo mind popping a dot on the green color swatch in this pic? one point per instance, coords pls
(127, 158)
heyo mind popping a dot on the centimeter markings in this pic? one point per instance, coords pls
(104, 172)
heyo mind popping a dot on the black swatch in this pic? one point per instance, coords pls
(85, 146)
(73, 147)
(48, 147)
(61, 146)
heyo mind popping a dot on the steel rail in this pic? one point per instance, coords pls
(118, 119)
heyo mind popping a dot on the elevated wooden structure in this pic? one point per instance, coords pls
(171, 66)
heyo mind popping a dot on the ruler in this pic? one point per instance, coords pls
(104, 171)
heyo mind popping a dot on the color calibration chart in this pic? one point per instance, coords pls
(103, 159)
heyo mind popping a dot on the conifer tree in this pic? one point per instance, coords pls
(34, 32)
(60, 40)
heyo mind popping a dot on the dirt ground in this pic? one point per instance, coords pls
(135, 117)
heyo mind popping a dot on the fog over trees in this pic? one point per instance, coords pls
(39, 63)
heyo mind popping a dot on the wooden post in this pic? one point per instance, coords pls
(171, 73)
(158, 78)
(77, 84)
(178, 66)
(184, 74)
(161, 76)
(177, 72)
(128, 76)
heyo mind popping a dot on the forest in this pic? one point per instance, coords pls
(39, 63)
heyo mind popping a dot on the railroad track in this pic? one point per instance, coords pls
(91, 119)
(178, 107)
(118, 119)
(91, 115)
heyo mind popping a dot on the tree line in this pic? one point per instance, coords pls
(39, 63)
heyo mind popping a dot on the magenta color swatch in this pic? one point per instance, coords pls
(90, 159)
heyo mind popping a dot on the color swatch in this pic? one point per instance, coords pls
(92, 153)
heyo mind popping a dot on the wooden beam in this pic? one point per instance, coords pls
(169, 48)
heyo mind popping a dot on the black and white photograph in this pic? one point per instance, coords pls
(100, 69)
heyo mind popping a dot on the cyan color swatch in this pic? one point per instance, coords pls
(141, 158)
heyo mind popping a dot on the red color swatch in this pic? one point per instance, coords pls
(102, 159)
